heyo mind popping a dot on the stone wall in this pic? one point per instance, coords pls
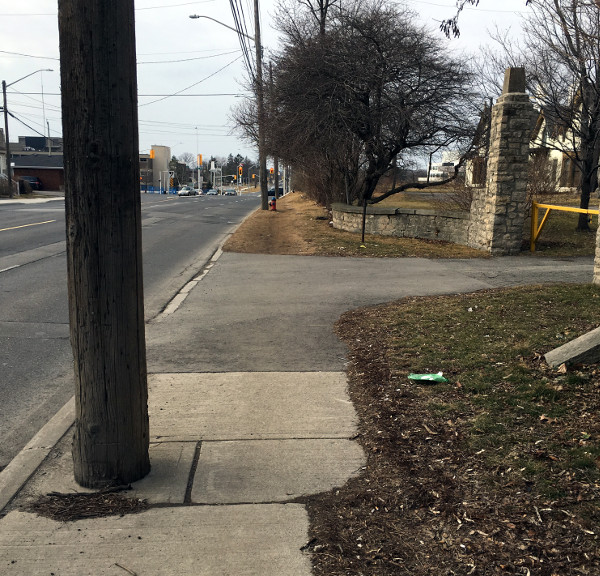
(496, 222)
(403, 223)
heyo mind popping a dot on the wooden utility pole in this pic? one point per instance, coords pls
(275, 158)
(102, 193)
(260, 109)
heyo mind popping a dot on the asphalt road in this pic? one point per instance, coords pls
(179, 235)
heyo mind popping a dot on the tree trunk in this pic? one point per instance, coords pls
(589, 181)
(584, 202)
(103, 220)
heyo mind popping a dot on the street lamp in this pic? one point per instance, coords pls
(260, 105)
(4, 87)
(196, 16)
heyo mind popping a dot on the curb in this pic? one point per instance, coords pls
(26, 462)
(31, 200)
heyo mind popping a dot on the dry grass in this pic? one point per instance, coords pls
(300, 226)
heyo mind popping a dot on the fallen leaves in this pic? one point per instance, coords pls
(78, 506)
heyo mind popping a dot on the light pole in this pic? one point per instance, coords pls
(260, 105)
(4, 87)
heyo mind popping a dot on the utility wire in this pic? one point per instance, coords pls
(28, 55)
(190, 59)
(191, 85)
(240, 25)
(24, 123)
(175, 5)
(136, 9)
(148, 62)
(209, 95)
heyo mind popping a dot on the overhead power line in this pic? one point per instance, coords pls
(21, 54)
(136, 9)
(191, 85)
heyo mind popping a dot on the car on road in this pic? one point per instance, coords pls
(272, 191)
(230, 192)
(33, 181)
(186, 191)
(212, 192)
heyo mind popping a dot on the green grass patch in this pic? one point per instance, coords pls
(491, 472)
(491, 345)
(559, 237)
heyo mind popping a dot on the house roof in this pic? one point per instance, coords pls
(39, 161)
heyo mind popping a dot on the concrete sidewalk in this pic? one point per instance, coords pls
(248, 413)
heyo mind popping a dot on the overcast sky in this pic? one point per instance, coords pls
(198, 59)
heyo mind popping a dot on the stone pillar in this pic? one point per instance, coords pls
(498, 210)
(596, 279)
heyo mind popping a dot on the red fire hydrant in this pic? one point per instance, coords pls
(273, 204)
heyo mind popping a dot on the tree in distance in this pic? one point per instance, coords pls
(450, 26)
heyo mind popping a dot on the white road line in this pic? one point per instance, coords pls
(10, 268)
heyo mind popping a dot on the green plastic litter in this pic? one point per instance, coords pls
(429, 377)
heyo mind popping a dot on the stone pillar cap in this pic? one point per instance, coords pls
(514, 80)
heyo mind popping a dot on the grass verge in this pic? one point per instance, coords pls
(496, 471)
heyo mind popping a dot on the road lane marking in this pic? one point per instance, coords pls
(27, 225)
(10, 268)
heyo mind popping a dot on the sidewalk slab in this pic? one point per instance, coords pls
(166, 483)
(254, 540)
(187, 407)
(273, 470)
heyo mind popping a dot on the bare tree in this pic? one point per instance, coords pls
(542, 181)
(298, 20)
(319, 9)
(189, 159)
(450, 26)
(376, 87)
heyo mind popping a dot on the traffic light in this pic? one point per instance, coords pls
(199, 159)
(152, 154)
(271, 170)
(253, 176)
(240, 170)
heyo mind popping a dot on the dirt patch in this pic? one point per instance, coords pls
(287, 230)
